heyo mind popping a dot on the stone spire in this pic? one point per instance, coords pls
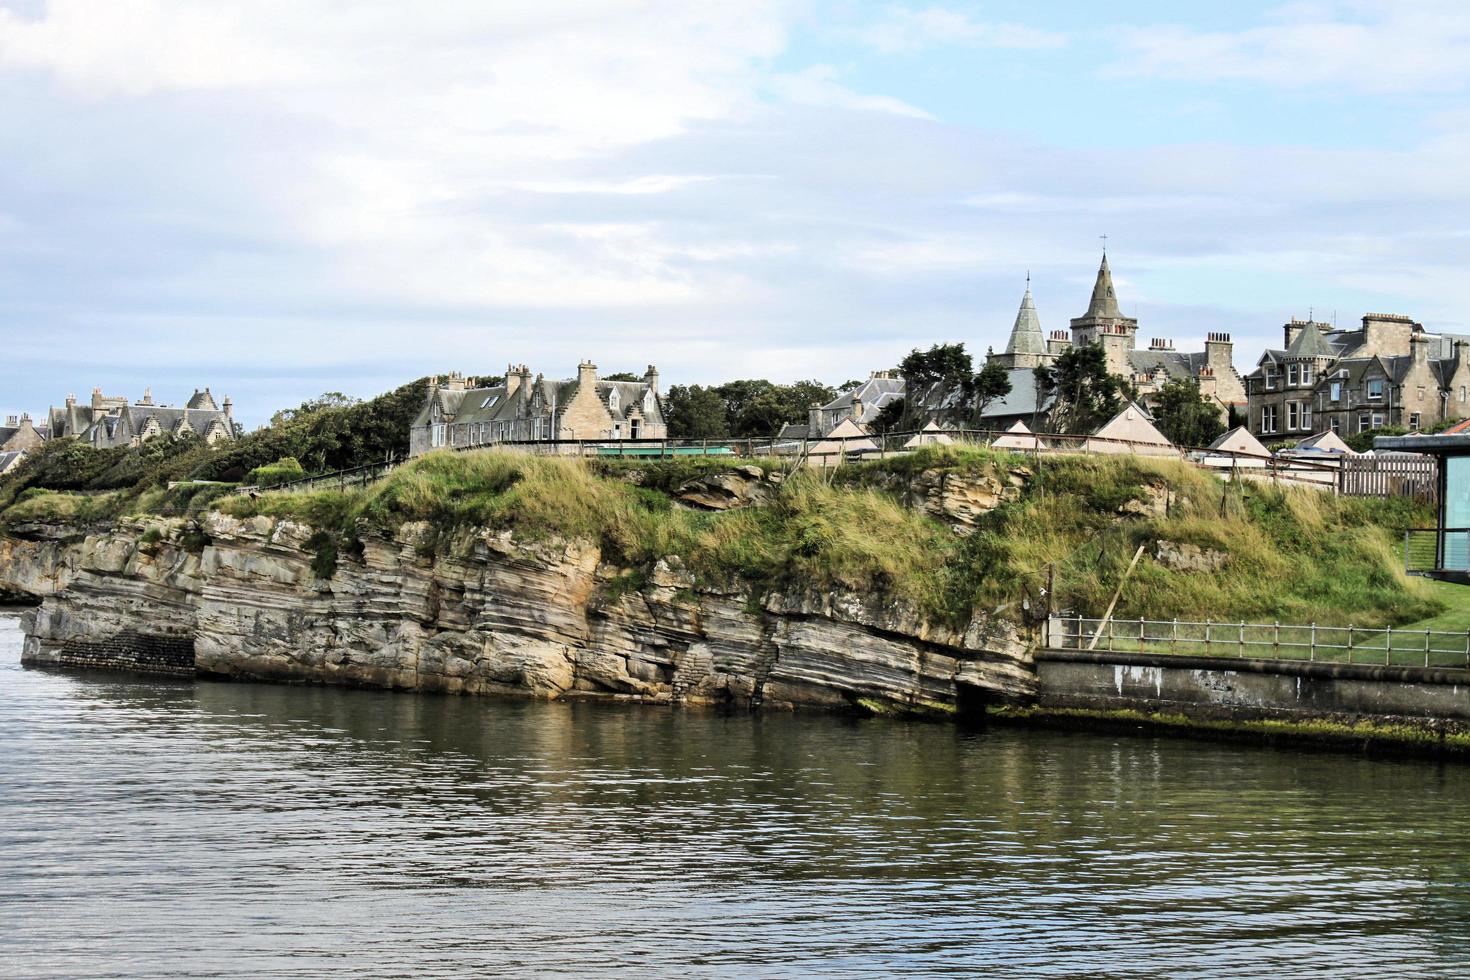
(1104, 305)
(1026, 335)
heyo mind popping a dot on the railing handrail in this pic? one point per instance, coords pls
(1263, 641)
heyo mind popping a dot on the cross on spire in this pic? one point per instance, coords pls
(1105, 243)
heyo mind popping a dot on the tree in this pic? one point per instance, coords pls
(990, 384)
(695, 412)
(931, 377)
(1185, 416)
(1362, 442)
(889, 417)
(622, 376)
(1086, 394)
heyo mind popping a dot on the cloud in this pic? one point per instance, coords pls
(905, 30)
(818, 86)
(1373, 46)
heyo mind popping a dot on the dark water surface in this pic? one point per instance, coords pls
(164, 828)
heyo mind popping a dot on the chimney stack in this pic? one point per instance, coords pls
(587, 375)
(650, 378)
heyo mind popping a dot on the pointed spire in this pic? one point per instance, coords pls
(1104, 305)
(1026, 335)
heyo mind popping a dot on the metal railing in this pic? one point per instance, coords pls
(356, 476)
(1263, 641)
(1437, 550)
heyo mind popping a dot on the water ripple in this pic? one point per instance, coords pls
(160, 828)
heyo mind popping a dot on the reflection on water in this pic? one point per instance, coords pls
(156, 827)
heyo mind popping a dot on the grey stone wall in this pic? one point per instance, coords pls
(1211, 687)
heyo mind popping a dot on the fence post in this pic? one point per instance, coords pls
(1240, 641)
(1387, 645)
(1350, 642)
(1207, 641)
(1312, 644)
(1276, 641)
(1426, 648)
(1140, 634)
(1174, 636)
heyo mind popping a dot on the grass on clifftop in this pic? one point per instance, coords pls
(1293, 555)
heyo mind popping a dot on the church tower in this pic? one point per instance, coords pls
(1027, 345)
(1104, 323)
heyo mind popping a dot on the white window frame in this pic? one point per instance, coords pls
(1337, 391)
(1293, 416)
(1372, 383)
(1414, 421)
(1306, 374)
(1291, 375)
(1268, 419)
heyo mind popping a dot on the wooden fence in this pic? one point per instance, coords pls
(1388, 475)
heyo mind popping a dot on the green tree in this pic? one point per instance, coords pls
(889, 417)
(695, 412)
(1185, 416)
(990, 384)
(622, 376)
(1362, 442)
(932, 377)
(1086, 394)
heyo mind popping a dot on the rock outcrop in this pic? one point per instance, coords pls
(485, 612)
(741, 486)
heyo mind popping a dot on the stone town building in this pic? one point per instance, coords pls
(861, 404)
(19, 435)
(110, 421)
(1105, 325)
(1389, 371)
(459, 413)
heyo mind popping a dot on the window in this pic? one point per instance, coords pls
(1270, 379)
(1375, 389)
(1293, 416)
(1291, 375)
(1414, 421)
(1462, 392)
(1306, 416)
(1377, 420)
(612, 400)
(1268, 418)
(1337, 391)
(1335, 425)
(436, 435)
(1421, 393)
(1363, 421)
(1306, 374)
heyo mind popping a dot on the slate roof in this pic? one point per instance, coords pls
(1104, 302)
(1026, 336)
(1309, 342)
(1022, 397)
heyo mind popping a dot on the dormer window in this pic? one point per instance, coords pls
(612, 400)
(648, 402)
(1375, 389)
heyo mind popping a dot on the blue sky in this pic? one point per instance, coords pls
(279, 198)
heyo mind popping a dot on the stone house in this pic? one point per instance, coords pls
(1388, 372)
(110, 421)
(459, 413)
(860, 405)
(19, 435)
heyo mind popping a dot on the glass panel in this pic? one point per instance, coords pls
(1456, 545)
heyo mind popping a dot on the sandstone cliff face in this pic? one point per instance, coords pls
(486, 613)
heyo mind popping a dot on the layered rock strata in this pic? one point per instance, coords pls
(483, 612)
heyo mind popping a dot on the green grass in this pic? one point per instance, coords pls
(1292, 555)
(1456, 615)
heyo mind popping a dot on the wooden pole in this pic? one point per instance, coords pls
(1116, 595)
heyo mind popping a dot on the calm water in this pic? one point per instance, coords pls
(166, 828)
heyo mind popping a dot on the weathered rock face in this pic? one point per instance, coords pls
(959, 499)
(484, 613)
(738, 487)
(1184, 557)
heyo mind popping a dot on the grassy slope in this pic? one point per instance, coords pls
(1455, 617)
(1294, 556)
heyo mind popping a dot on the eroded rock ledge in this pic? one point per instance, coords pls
(486, 613)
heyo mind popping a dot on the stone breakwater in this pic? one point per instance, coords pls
(481, 612)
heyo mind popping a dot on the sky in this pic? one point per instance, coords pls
(277, 198)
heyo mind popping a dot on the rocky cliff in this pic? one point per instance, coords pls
(480, 613)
